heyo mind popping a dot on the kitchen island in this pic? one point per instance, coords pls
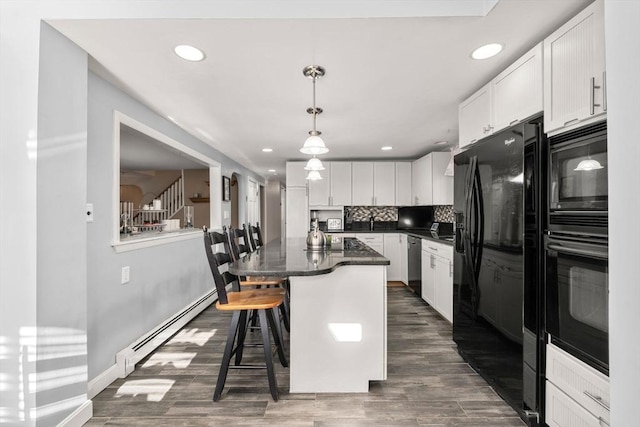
(338, 338)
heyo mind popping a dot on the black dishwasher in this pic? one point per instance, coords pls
(414, 255)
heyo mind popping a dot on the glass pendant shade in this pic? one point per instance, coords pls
(588, 165)
(314, 176)
(314, 164)
(314, 145)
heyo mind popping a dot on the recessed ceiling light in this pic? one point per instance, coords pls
(190, 53)
(487, 51)
(387, 148)
(267, 150)
(440, 143)
(272, 170)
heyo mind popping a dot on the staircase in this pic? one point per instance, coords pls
(173, 197)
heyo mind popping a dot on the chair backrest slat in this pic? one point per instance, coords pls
(217, 260)
(239, 242)
(255, 235)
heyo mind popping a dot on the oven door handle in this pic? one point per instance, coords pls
(576, 251)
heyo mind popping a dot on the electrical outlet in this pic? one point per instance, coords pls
(125, 275)
(226, 214)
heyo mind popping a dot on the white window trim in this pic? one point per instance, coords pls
(215, 177)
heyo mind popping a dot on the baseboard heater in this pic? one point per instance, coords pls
(127, 358)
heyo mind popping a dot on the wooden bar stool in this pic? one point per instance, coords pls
(240, 246)
(264, 301)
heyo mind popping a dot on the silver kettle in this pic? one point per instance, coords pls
(316, 239)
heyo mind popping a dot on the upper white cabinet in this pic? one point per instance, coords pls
(335, 187)
(403, 184)
(475, 119)
(340, 184)
(296, 175)
(429, 184)
(384, 184)
(362, 183)
(512, 96)
(517, 91)
(574, 72)
(373, 183)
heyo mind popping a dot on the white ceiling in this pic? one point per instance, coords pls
(389, 81)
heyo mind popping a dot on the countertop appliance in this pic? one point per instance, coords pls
(414, 258)
(489, 267)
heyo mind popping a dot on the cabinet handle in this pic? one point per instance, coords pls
(433, 249)
(450, 269)
(604, 90)
(597, 399)
(433, 261)
(473, 140)
(593, 95)
(570, 121)
(513, 121)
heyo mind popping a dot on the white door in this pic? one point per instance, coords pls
(253, 202)
(429, 278)
(404, 259)
(444, 287)
(475, 117)
(392, 251)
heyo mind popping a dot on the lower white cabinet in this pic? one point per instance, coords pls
(576, 394)
(437, 277)
(393, 251)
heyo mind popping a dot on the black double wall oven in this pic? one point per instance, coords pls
(576, 245)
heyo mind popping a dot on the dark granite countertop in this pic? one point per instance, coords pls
(290, 257)
(423, 234)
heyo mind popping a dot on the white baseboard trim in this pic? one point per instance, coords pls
(129, 356)
(102, 381)
(78, 417)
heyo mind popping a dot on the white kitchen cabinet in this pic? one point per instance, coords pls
(340, 184)
(562, 411)
(362, 183)
(404, 259)
(475, 118)
(574, 72)
(374, 240)
(403, 184)
(384, 184)
(428, 272)
(586, 388)
(437, 277)
(429, 184)
(297, 212)
(393, 251)
(296, 174)
(320, 190)
(517, 91)
(335, 187)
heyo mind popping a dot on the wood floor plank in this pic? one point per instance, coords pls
(428, 383)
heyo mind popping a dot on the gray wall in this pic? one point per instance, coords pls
(163, 278)
(622, 36)
(62, 234)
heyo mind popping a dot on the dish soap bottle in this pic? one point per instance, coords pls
(371, 223)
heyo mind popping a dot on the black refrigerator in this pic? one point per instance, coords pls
(497, 292)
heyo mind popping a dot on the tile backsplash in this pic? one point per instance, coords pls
(443, 213)
(380, 213)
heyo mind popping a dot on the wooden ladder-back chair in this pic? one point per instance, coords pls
(240, 246)
(265, 302)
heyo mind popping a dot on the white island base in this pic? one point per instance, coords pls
(338, 339)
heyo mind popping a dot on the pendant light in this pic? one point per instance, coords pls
(314, 176)
(314, 145)
(314, 164)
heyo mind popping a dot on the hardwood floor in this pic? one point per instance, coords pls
(428, 384)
